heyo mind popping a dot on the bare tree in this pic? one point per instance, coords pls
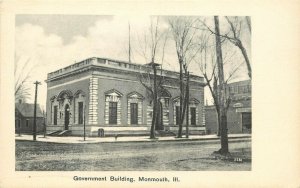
(152, 44)
(183, 34)
(234, 36)
(22, 75)
(248, 21)
(235, 39)
(208, 67)
(221, 90)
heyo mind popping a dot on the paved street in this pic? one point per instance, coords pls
(121, 156)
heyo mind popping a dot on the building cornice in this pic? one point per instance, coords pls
(108, 65)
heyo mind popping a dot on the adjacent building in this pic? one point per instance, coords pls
(239, 114)
(107, 97)
(24, 117)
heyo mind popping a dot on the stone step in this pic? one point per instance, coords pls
(64, 133)
(53, 133)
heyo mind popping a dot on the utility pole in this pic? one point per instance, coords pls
(34, 113)
(129, 46)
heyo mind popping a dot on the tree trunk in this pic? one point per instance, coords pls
(188, 106)
(222, 102)
(152, 130)
(181, 99)
(154, 112)
(224, 135)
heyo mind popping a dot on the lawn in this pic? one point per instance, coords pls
(194, 155)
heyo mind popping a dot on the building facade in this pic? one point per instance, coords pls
(239, 114)
(24, 117)
(107, 97)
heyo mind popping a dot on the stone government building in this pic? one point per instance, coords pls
(108, 95)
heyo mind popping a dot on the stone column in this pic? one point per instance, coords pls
(93, 103)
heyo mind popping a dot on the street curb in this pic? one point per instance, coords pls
(149, 140)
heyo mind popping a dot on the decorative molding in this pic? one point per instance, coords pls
(112, 96)
(53, 98)
(135, 97)
(78, 92)
(135, 94)
(113, 92)
(65, 94)
(194, 101)
(69, 82)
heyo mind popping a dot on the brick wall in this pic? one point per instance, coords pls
(95, 83)
(234, 119)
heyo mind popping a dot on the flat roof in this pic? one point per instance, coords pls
(114, 64)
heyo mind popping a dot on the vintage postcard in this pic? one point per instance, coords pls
(144, 94)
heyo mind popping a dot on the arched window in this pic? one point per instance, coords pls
(112, 110)
(63, 100)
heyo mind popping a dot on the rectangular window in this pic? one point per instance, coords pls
(134, 113)
(246, 120)
(235, 89)
(55, 115)
(80, 112)
(27, 122)
(177, 115)
(113, 113)
(193, 116)
(241, 89)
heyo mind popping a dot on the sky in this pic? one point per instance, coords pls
(51, 42)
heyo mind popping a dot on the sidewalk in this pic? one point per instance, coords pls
(73, 139)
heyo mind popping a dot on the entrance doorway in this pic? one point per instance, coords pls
(67, 116)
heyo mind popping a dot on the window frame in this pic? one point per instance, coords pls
(80, 113)
(112, 118)
(27, 123)
(193, 115)
(134, 112)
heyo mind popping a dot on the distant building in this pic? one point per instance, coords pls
(239, 114)
(24, 118)
(108, 97)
